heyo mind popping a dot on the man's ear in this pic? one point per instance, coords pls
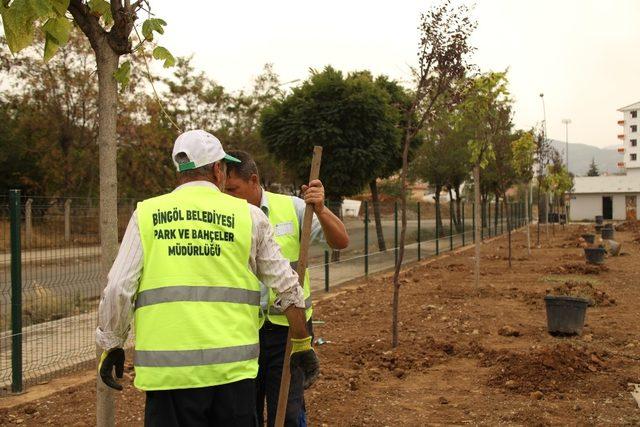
(255, 179)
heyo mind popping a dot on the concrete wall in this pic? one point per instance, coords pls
(587, 206)
(619, 208)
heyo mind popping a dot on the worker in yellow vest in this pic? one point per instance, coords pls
(285, 215)
(189, 271)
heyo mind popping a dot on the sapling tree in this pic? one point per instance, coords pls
(523, 162)
(486, 101)
(444, 45)
(108, 26)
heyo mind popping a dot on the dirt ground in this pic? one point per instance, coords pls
(466, 355)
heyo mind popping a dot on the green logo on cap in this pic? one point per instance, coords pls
(186, 166)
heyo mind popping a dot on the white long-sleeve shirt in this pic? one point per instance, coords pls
(116, 306)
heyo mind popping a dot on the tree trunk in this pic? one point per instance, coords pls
(476, 189)
(375, 201)
(546, 214)
(336, 207)
(539, 217)
(403, 234)
(440, 232)
(528, 188)
(107, 64)
(507, 214)
(554, 214)
(458, 211)
(451, 210)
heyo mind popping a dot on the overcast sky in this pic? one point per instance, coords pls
(584, 55)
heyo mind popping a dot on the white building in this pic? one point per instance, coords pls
(614, 197)
(630, 136)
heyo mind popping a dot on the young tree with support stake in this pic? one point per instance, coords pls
(504, 167)
(108, 27)
(523, 161)
(444, 46)
(485, 100)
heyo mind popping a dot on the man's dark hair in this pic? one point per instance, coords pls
(246, 168)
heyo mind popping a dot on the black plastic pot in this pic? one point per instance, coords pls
(608, 225)
(594, 255)
(599, 219)
(607, 233)
(598, 228)
(589, 237)
(565, 315)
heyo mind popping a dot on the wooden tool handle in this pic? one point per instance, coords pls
(305, 238)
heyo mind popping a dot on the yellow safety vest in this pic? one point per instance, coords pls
(197, 306)
(286, 229)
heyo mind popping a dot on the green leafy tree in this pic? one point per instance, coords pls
(559, 182)
(543, 155)
(429, 165)
(350, 117)
(593, 168)
(487, 105)
(400, 99)
(442, 160)
(108, 27)
(523, 162)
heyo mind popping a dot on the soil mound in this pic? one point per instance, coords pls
(578, 268)
(597, 298)
(547, 370)
(628, 226)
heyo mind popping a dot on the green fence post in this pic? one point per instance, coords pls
(16, 293)
(395, 229)
(418, 231)
(463, 228)
(366, 238)
(437, 229)
(450, 226)
(326, 271)
(473, 221)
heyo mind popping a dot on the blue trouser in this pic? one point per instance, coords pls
(273, 342)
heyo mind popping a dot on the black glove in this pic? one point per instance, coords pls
(110, 359)
(303, 357)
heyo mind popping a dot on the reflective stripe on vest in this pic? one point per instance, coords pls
(198, 302)
(199, 357)
(197, 293)
(284, 221)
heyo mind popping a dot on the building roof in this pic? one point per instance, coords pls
(634, 106)
(606, 184)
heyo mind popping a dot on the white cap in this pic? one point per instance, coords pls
(201, 148)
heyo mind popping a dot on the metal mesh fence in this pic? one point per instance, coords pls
(60, 285)
(60, 271)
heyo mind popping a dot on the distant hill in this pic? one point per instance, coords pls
(580, 156)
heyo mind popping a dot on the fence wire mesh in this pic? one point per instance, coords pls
(60, 266)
